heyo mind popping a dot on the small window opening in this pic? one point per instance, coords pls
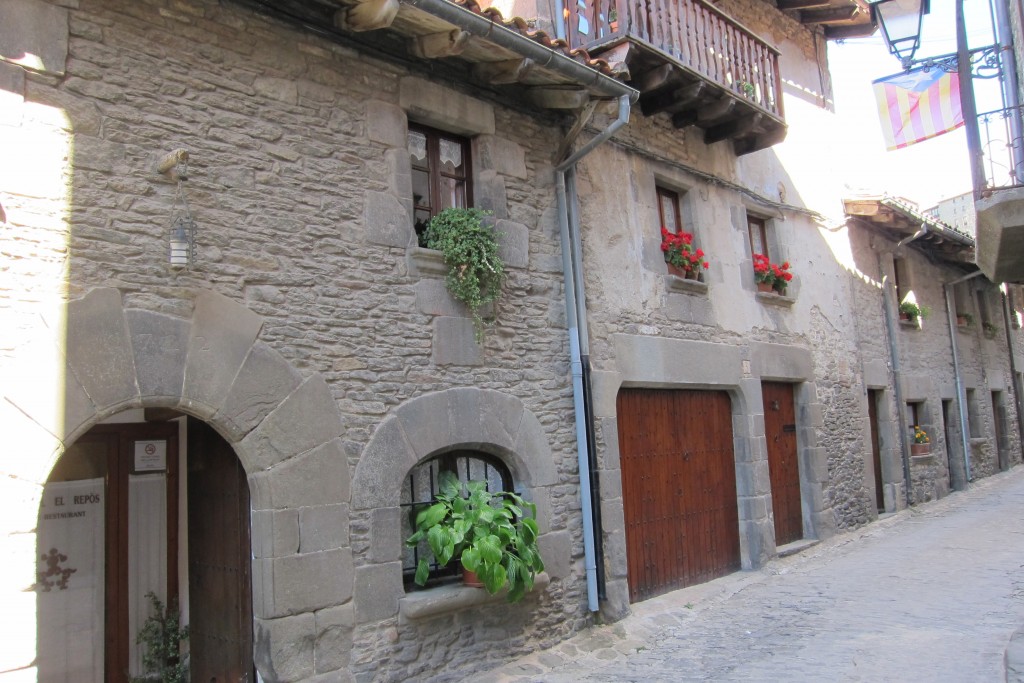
(421, 485)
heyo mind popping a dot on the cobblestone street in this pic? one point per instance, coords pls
(931, 594)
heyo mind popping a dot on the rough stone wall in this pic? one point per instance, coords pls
(285, 161)
(926, 366)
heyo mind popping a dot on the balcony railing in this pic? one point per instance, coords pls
(696, 35)
(1002, 148)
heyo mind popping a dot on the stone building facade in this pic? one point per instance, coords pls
(320, 344)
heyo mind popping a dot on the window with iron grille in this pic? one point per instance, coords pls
(419, 490)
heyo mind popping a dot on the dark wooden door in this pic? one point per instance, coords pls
(783, 467)
(679, 488)
(876, 450)
(220, 587)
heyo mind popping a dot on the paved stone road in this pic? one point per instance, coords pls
(931, 594)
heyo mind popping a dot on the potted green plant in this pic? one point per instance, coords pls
(682, 258)
(911, 311)
(161, 637)
(922, 444)
(470, 250)
(989, 329)
(964, 320)
(771, 277)
(492, 534)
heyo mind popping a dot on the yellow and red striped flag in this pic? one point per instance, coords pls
(918, 105)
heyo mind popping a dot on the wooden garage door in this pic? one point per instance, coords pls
(678, 488)
(783, 468)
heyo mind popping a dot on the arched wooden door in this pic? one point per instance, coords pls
(678, 488)
(219, 564)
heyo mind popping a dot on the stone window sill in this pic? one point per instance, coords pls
(909, 325)
(454, 598)
(674, 283)
(928, 459)
(426, 262)
(772, 299)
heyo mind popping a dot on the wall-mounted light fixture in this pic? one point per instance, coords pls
(182, 232)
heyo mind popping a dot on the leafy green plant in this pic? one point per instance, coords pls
(913, 311)
(470, 250)
(492, 534)
(989, 328)
(162, 635)
(968, 319)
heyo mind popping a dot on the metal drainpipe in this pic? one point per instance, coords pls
(961, 399)
(1013, 371)
(575, 308)
(894, 355)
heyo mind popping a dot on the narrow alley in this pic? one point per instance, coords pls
(930, 594)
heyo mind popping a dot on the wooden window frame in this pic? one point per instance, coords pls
(673, 198)
(760, 225)
(435, 174)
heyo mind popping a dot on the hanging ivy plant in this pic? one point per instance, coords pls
(470, 250)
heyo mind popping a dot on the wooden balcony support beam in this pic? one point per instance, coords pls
(736, 128)
(833, 15)
(788, 5)
(716, 109)
(672, 100)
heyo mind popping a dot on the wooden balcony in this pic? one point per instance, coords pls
(689, 60)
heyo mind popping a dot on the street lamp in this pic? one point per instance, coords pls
(900, 21)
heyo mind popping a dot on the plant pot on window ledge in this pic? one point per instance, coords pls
(765, 287)
(471, 579)
(920, 449)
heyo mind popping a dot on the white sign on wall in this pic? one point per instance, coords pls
(150, 456)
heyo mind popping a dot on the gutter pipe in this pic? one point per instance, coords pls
(575, 310)
(961, 398)
(503, 36)
(894, 355)
(1013, 368)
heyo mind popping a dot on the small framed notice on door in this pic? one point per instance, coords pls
(150, 456)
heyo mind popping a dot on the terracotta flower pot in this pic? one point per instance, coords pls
(920, 448)
(692, 275)
(675, 270)
(765, 287)
(471, 579)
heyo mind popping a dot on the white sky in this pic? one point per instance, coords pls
(928, 171)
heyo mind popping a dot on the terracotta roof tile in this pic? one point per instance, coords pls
(523, 27)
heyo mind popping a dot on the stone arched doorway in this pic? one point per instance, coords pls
(284, 428)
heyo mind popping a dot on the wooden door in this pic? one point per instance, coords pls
(783, 466)
(876, 450)
(679, 488)
(220, 587)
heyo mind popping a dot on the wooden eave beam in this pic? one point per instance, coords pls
(437, 45)
(370, 15)
(504, 72)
